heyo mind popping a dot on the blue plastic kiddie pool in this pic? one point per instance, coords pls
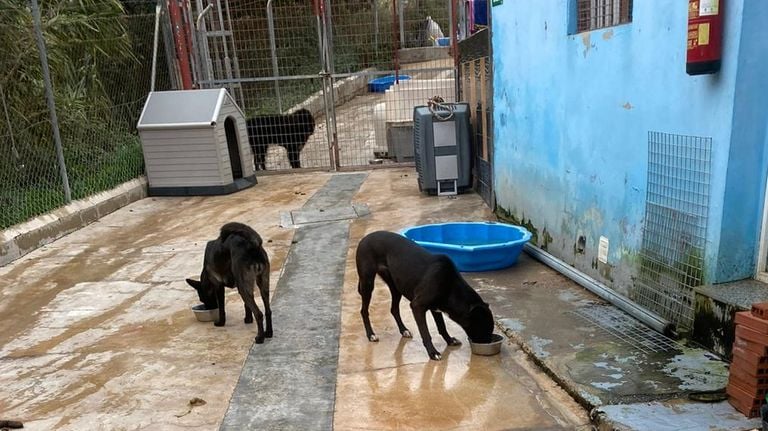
(472, 246)
(380, 85)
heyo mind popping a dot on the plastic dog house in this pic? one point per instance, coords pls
(195, 142)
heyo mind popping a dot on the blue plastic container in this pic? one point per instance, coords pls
(444, 41)
(380, 85)
(481, 12)
(472, 246)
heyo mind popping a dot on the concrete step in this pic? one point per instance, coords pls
(715, 307)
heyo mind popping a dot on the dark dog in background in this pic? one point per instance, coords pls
(291, 131)
(429, 281)
(236, 259)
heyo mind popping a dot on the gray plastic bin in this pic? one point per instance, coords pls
(442, 148)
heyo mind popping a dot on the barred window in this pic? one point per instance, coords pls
(594, 14)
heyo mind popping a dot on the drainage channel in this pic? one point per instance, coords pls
(289, 382)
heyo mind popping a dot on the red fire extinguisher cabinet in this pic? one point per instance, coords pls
(705, 34)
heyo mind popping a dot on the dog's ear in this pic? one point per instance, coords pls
(194, 283)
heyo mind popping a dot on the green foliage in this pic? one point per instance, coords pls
(99, 53)
(93, 60)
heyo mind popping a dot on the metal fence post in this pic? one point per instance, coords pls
(50, 99)
(158, 11)
(273, 51)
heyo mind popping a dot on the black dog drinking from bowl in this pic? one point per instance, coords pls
(236, 259)
(429, 281)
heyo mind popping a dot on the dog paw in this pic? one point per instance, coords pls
(454, 342)
(220, 323)
(435, 356)
(259, 339)
(268, 334)
(373, 338)
(406, 334)
(247, 320)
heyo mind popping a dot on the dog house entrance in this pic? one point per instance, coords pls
(230, 130)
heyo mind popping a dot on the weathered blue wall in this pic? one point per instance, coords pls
(572, 114)
(745, 178)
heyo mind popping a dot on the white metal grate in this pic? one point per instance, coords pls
(674, 235)
(626, 329)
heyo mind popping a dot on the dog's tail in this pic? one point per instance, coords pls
(241, 230)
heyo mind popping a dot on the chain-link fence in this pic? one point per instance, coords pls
(99, 53)
(274, 57)
(379, 42)
(278, 56)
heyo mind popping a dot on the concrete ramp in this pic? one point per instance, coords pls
(289, 382)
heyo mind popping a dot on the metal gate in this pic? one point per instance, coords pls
(476, 88)
(333, 58)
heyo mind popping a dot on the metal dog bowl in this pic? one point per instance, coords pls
(487, 349)
(204, 315)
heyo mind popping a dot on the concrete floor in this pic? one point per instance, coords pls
(96, 329)
(629, 376)
(392, 384)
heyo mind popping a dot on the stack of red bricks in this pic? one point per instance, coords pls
(748, 379)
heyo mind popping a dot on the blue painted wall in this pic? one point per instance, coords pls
(572, 114)
(745, 178)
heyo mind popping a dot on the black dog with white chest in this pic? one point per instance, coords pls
(236, 259)
(291, 131)
(429, 281)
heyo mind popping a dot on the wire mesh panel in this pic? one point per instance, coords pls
(387, 60)
(268, 55)
(100, 102)
(674, 236)
(626, 329)
(29, 178)
(333, 60)
(99, 55)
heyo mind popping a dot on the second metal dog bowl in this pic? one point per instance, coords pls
(487, 349)
(204, 315)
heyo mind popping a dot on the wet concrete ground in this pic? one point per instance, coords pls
(392, 384)
(96, 331)
(630, 376)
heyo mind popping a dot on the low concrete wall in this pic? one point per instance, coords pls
(23, 238)
(343, 92)
(428, 53)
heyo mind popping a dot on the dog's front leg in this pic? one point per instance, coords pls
(294, 156)
(420, 315)
(438, 316)
(220, 302)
